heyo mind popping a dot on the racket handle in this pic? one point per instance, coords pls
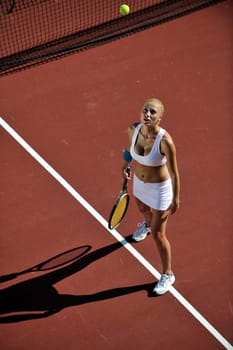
(128, 170)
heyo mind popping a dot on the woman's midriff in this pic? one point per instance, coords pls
(151, 173)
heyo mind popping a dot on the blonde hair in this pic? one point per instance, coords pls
(158, 103)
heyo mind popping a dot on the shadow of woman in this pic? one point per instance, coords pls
(37, 297)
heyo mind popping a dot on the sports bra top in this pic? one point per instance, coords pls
(154, 157)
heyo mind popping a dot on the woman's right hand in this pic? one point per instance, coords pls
(126, 173)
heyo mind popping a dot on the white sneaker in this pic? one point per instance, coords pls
(141, 232)
(164, 283)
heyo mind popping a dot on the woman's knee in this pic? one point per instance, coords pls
(143, 208)
(158, 235)
(158, 228)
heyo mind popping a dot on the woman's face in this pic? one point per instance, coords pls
(152, 112)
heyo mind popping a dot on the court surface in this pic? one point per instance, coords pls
(74, 113)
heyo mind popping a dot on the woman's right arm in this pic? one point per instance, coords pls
(126, 153)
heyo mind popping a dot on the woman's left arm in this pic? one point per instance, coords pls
(169, 149)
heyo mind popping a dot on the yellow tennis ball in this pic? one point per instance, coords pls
(124, 9)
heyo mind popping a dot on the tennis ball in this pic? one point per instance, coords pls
(124, 9)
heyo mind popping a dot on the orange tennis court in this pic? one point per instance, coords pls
(63, 128)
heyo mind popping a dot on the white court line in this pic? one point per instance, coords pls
(114, 233)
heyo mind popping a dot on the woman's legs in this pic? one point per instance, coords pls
(145, 211)
(158, 229)
(144, 227)
(157, 220)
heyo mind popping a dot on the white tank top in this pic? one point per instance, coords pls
(154, 157)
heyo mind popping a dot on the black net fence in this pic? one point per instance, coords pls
(36, 31)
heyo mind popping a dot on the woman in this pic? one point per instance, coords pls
(156, 184)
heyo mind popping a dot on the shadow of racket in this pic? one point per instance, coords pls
(52, 263)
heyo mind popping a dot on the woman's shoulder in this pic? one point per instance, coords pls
(133, 126)
(167, 138)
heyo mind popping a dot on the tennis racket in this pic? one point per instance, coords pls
(120, 207)
(6, 7)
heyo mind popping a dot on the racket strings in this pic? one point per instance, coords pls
(119, 211)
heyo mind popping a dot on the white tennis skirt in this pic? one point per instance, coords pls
(157, 195)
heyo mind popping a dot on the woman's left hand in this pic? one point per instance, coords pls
(174, 206)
